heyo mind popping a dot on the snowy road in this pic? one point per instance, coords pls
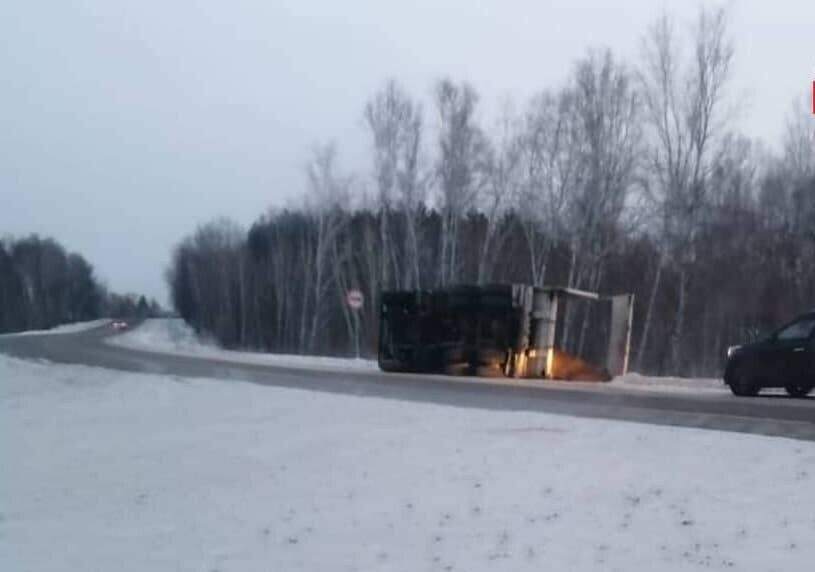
(773, 415)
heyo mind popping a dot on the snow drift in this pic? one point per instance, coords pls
(71, 328)
(175, 337)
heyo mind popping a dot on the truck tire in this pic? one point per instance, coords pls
(488, 356)
(453, 356)
(457, 369)
(493, 370)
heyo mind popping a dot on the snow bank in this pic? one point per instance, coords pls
(132, 472)
(170, 334)
(72, 328)
(695, 385)
(175, 337)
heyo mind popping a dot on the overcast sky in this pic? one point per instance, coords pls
(123, 125)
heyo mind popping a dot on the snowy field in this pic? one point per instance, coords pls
(116, 471)
(72, 328)
(174, 336)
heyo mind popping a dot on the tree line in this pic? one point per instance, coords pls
(627, 178)
(42, 285)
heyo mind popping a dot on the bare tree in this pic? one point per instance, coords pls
(395, 122)
(460, 168)
(327, 193)
(683, 103)
(799, 143)
(501, 189)
(550, 172)
(605, 109)
(412, 184)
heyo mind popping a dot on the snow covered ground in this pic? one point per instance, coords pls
(73, 328)
(174, 336)
(106, 470)
(675, 384)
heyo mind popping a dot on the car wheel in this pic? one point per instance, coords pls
(743, 382)
(798, 389)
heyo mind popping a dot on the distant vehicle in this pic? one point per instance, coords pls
(119, 325)
(785, 358)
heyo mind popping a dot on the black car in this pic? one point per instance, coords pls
(785, 358)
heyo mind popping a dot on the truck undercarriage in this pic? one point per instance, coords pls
(499, 330)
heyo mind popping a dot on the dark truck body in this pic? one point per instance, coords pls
(492, 330)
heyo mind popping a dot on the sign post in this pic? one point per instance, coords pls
(355, 301)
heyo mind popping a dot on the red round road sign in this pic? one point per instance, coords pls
(355, 299)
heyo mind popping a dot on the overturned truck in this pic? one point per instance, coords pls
(503, 330)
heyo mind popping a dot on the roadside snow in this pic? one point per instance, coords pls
(679, 384)
(107, 470)
(72, 328)
(175, 337)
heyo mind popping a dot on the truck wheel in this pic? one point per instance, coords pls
(453, 356)
(798, 389)
(490, 356)
(493, 370)
(457, 369)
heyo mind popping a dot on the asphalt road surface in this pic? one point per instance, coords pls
(771, 415)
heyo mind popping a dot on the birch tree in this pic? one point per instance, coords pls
(460, 167)
(550, 171)
(327, 192)
(501, 190)
(605, 108)
(683, 106)
(395, 122)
